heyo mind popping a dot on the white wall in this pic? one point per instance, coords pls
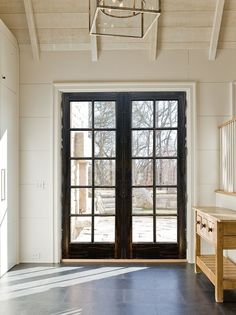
(9, 131)
(36, 121)
(35, 173)
(214, 108)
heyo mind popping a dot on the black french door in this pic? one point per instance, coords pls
(124, 175)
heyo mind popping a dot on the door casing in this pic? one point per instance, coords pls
(77, 87)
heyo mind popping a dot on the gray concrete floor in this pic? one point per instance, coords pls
(31, 289)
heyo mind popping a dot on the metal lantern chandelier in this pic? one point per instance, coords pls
(123, 18)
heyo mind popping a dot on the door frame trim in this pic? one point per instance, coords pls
(191, 158)
(124, 261)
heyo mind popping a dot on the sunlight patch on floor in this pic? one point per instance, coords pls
(75, 278)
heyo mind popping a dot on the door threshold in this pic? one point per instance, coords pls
(125, 261)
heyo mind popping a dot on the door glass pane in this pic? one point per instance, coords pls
(142, 200)
(104, 201)
(81, 201)
(104, 114)
(105, 143)
(142, 114)
(81, 144)
(166, 143)
(81, 172)
(104, 229)
(166, 172)
(142, 172)
(142, 143)
(80, 114)
(166, 114)
(142, 229)
(104, 172)
(166, 201)
(166, 229)
(81, 229)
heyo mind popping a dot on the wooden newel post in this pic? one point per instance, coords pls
(219, 290)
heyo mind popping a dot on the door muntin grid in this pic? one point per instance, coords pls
(154, 171)
(93, 171)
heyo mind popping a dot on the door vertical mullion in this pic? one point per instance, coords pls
(66, 176)
(181, 184)
(127, 169)
(93, 180)
(119, 177)
(154, 172)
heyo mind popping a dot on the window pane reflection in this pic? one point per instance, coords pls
(166, 172)
(142, 114)
(142, 172)
(105, 143)
(142, 143)
(104, 229)
(104, 114)
(104, 200)
(81, 143)
(142, 229)
(104, 172)
(80, 114)
(142, 200)
(81, 172)
(166, 229)
(167, 114)
(166, 143)
(81, 201)
(166, 201)
(81, 229)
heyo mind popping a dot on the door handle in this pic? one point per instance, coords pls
(3, 184)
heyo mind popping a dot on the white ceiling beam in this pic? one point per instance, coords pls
(154, 41)
(216, 29)
(154, 34)
(94, 48)
(32, 28)
(94, 38)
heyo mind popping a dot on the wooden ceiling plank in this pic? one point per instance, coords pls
(216, 29)
(187, 5)
(15, 6)
(183, 45)
(229, 18)
(32, 28)
(14, 20)
(64, 47)
(184, 34)
(60, 6)
(63, 36)
(186, 19)
(62, 20)
(230, 5)
(22, 36)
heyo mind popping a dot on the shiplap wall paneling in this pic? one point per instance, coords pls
(9, 112)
